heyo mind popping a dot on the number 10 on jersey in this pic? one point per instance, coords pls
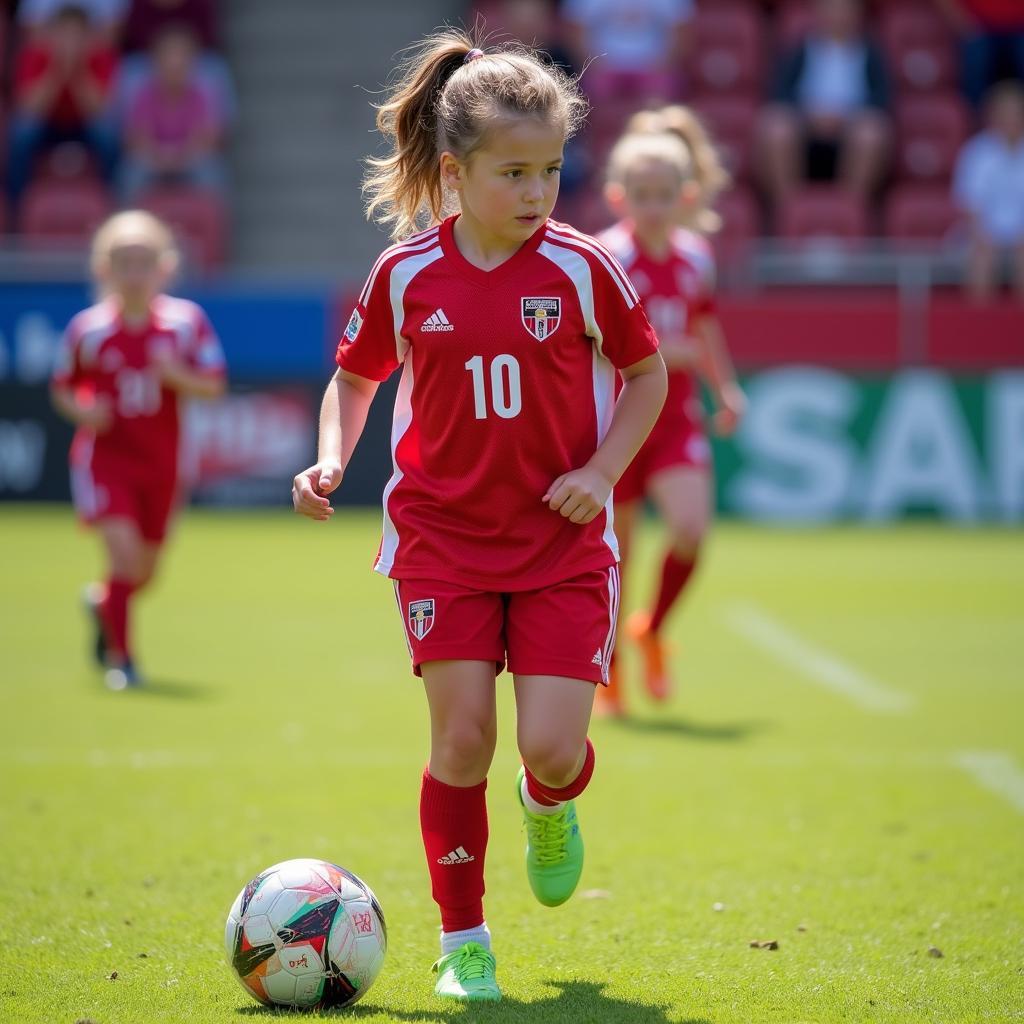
(506, 394)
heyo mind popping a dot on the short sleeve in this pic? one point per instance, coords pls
(205, 353)
(624, 334)
(368, 347)
(67, 367)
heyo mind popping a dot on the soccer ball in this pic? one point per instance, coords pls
(306, 933)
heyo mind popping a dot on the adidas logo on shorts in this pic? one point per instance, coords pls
(437, 321)
(457, 856)
(597, 659)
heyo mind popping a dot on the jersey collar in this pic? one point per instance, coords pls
(487, 278)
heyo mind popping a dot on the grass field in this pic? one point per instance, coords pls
(842, 771)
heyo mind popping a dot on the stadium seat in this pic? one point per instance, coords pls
(68, 161)
(930, 129)
(727, 49)
(822, 211)
(199, 219)
(55, 213)
(919, 47)
(920, 213)
(731, 121)
(741, 219)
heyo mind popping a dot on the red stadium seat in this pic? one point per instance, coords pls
(920, 213)
(822, 211)
(731, 121)
(919, 47)
(55, 213)
(930, 129)
(199, 219)
(741, 223)
(68, 161)
(728, 45)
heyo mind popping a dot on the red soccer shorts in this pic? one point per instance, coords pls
(676, 440)
(567, 629)
(109, 491)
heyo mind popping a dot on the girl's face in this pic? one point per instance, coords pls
(508, 187)
(136, 271)
(654, 198)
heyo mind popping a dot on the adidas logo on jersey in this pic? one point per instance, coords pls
(457, 856)
(437, 321)
(597, 659)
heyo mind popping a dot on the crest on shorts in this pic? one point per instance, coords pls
(421, 617)
(354, 323)
(541, 316)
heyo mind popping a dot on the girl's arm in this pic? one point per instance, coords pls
(96, 414)
(342, 418)
(188, 382)
(679, 353)
(716, 368)
(582, 493)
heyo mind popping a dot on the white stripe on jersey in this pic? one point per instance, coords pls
(94, 325)
(401, 615)
(577, 269)
(568, 236)
(604, 404)
(401, 274)
(413, 244)
(620, 245)
(402, 422)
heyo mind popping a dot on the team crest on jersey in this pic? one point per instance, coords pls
(421, 617)
(355, 321)
(541, 316)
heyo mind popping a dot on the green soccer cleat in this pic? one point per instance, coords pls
(554, 850)
(467, 975)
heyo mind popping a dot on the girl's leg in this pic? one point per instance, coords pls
(453, 809)
(126, 564)
(682, 496)
(610, 700)
(553, 715)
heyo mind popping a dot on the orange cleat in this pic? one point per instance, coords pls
(653, 652)
(608, 701)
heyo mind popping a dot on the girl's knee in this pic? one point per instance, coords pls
(555, 763)
(463, 749)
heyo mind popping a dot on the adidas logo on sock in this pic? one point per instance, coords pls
(597, 659)
(437, 321)
(457, 856)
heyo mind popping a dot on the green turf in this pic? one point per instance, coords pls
(282, 722)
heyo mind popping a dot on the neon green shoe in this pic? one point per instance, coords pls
(554, 850)
(467, 975)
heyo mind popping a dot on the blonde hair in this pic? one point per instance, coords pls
(637, 148)
(133, 227)
(444, 101)
(708, 170)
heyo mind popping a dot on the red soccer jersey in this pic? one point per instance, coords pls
(675, 291)
(101, 354)
(508, 380)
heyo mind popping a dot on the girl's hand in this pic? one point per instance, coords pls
(98, 417)
(732, 405)
(310, 487)
(579, 495)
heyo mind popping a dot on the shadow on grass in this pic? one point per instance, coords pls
(172, 689)
(711, 731)
(579, 1002)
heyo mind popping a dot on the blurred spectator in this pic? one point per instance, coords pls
(146, 20)
(828, 117)
(991, 41)
(531, 22)
(105, 16)
(989, 186)
(173, 129)
(62, 86)
(637, 47)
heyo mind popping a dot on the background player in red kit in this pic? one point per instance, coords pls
(124, 367)
(664, 173)
(506, 444)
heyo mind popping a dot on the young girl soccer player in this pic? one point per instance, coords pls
(509, 329)
(123, 369)
(664, 175)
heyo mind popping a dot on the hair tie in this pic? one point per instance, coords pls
(474, 54)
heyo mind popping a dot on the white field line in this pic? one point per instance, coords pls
(815, 664)
(996, 771)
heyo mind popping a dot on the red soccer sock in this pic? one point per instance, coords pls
(675, 574)
(115, 616)
(453, 821)
(549, 795)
